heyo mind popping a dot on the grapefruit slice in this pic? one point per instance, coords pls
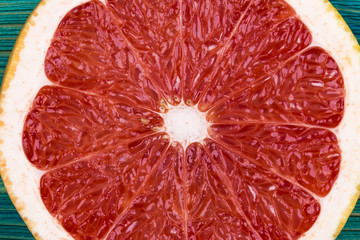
(182, 119)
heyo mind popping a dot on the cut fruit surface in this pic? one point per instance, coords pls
(186, 125)
(110, 69)
(183, 119)
(309, 157)
(67, 125)
(109, 181)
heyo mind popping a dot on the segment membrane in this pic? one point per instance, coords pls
(88, 53)
(308, 89)
(152, 29)
(253, 59)
(206, 28)
(276, 208)
(158, 211)
(306, 156)
(88, 196)
(64, 125)
(261, 34)
(212, 211)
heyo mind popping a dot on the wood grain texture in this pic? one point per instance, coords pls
(13, 14)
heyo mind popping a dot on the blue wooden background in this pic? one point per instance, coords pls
(13, 14)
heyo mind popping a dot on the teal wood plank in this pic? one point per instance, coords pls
(356, 210)
(4, 56)
(15, 232)
(353, 223)
(13, 14)
(2, 188)
(349, 235)
(10, 218)
(5, 203)
(17, 238)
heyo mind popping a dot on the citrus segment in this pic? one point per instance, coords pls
(250, 63)
(87, 196)
(65, 125)
(276, 208)
(152, 28)
(268, 34)
(307, 156)
(306, 90)
(212, 212)
(206, 28)
(158, 211)
(89, 53)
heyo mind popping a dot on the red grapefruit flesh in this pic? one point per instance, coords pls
(308, 89)
(89, 195)
(269, 95)
(207, 27)
(66, 125)
(309, 157)
(152, 31)
(89, 53)
(275, 207)
(158, 210)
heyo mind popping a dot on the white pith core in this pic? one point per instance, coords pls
(185, 124)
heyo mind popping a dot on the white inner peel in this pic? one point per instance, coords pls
(185, 124)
